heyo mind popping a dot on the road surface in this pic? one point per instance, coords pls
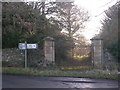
(24, 81)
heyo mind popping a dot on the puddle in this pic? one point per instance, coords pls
(79, 81)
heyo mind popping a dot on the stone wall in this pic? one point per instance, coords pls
(15, 57)
(109, 62)
(12, 54)
(35, 57)
(12, 57)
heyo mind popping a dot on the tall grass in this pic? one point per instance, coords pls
(59, 72)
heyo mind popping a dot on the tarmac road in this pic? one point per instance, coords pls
(25, 81)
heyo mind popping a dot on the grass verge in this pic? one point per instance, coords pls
(57, 72)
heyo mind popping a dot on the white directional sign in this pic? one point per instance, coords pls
(25, 46)
(32, 46)
(22, 46)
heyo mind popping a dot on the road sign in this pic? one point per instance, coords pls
(25, 46)
(22, 46)
(32, 46)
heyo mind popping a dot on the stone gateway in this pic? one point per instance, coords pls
(49, 51)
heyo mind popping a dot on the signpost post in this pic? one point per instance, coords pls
(26, 55)
(25, 46)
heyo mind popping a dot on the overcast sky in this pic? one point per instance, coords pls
(96, 10)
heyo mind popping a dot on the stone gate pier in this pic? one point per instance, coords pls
(97, 52)
(49, 50)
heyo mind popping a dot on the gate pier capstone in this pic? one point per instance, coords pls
(49, 51)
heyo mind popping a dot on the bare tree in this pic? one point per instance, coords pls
(70, 17)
